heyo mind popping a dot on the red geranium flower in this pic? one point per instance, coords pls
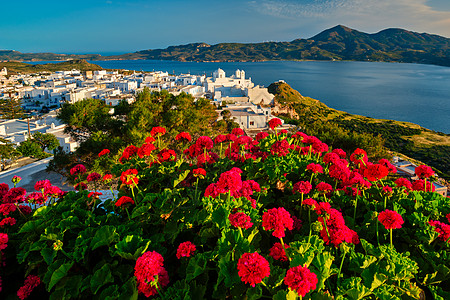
(301, 279)
(324, 187)
(441, 228)
(280, 148)
(375, 172)
(78, 170)
(419, 185)
(8, 221)
(107, 177)
(15, 195)
(128, 152)
(146, 150)
(390, 219)
(7, 208)
(94, 194)
(277, 219)
(220, 139)
(403, 182)
(314, 168)
(261, 135)
(240, 219)
(104, 152)
(185, 249)
(183, 136)
(31, 282)
(3, 241)
(253, 268)
(36, 198)
(277, 252)
(303, 187)
(124, 200)
(149, 272)
(200, 172)
(359, 157)
(157, 131)
(275, 122)
(340, 152)
(42, 184)
(129, 177)
(93, 177)
(237, 131)
(424, 171)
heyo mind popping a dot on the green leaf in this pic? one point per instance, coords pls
(281, 295)
(110, 293)
(48, 255)
(101, 277)
(131, 247)
(181, 177)
(128, 291)
(59, 273)
(31, 226)
(141, 210)
(254, 293)
(323, 262)
(104, 236)
(196, 266)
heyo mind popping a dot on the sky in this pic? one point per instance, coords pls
(119, 26)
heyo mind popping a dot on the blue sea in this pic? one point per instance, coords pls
(405, 92)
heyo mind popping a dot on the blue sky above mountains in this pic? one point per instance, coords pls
(104, 26)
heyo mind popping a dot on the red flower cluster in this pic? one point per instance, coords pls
(124, 200)
(330, 157)
(324, 187)
(390, 219)
(42, 184)
(375, 172)
(201, 144)
(129, 177)
(303, 187)
(199, 172)
(15, 195)
(275, 122)
(424, 171)
(241, 220)
(78, 170)
(3, 241)
(167, 155)
(80, 184)
(185, 249)
(419, 185)
(441, 228)
(230, 181)
(392, 169)
(338, 232)
(8, 221)
(237, 131)
(94, 176)
(31, 282)
(146, 150)
(94, 195)
(253, 268)
(277, 219)
(448, 217)
(107, 177)
(403, 182)
(129, 152)
(7, 208)
(183, 136)
(277, 252)
(314, 168)
(280, 148)
(104, 152)
(157, 131)
(149, 272)
(36, 198)
(340, 152)
(261, 135)
(301, 279)
(359, 157)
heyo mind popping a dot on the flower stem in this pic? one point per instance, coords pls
(340, 268)
(356, 204)
(390, 236)
(195, 194)
(129, 219)
(282, 244)
(309, 219)
(240, 230)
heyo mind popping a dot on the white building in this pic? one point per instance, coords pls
(3, 71)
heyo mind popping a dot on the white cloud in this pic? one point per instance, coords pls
(366, 15)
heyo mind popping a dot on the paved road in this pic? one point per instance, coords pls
(32, 173)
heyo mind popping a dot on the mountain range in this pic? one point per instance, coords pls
(337, 43)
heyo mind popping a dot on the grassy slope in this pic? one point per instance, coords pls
(18, 67)
(410, 139)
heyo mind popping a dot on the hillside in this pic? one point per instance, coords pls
(18, 67)
(410, 139)
(337, 43)
(11, 55)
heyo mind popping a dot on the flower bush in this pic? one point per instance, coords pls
(280, 216)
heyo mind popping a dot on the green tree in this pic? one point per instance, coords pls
(11, 108)
(87, 116)
(32, 149)
(7, 151)
(45, 140)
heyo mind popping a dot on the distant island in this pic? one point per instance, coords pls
(337, 43)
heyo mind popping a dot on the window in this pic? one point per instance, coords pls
(252, 123)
